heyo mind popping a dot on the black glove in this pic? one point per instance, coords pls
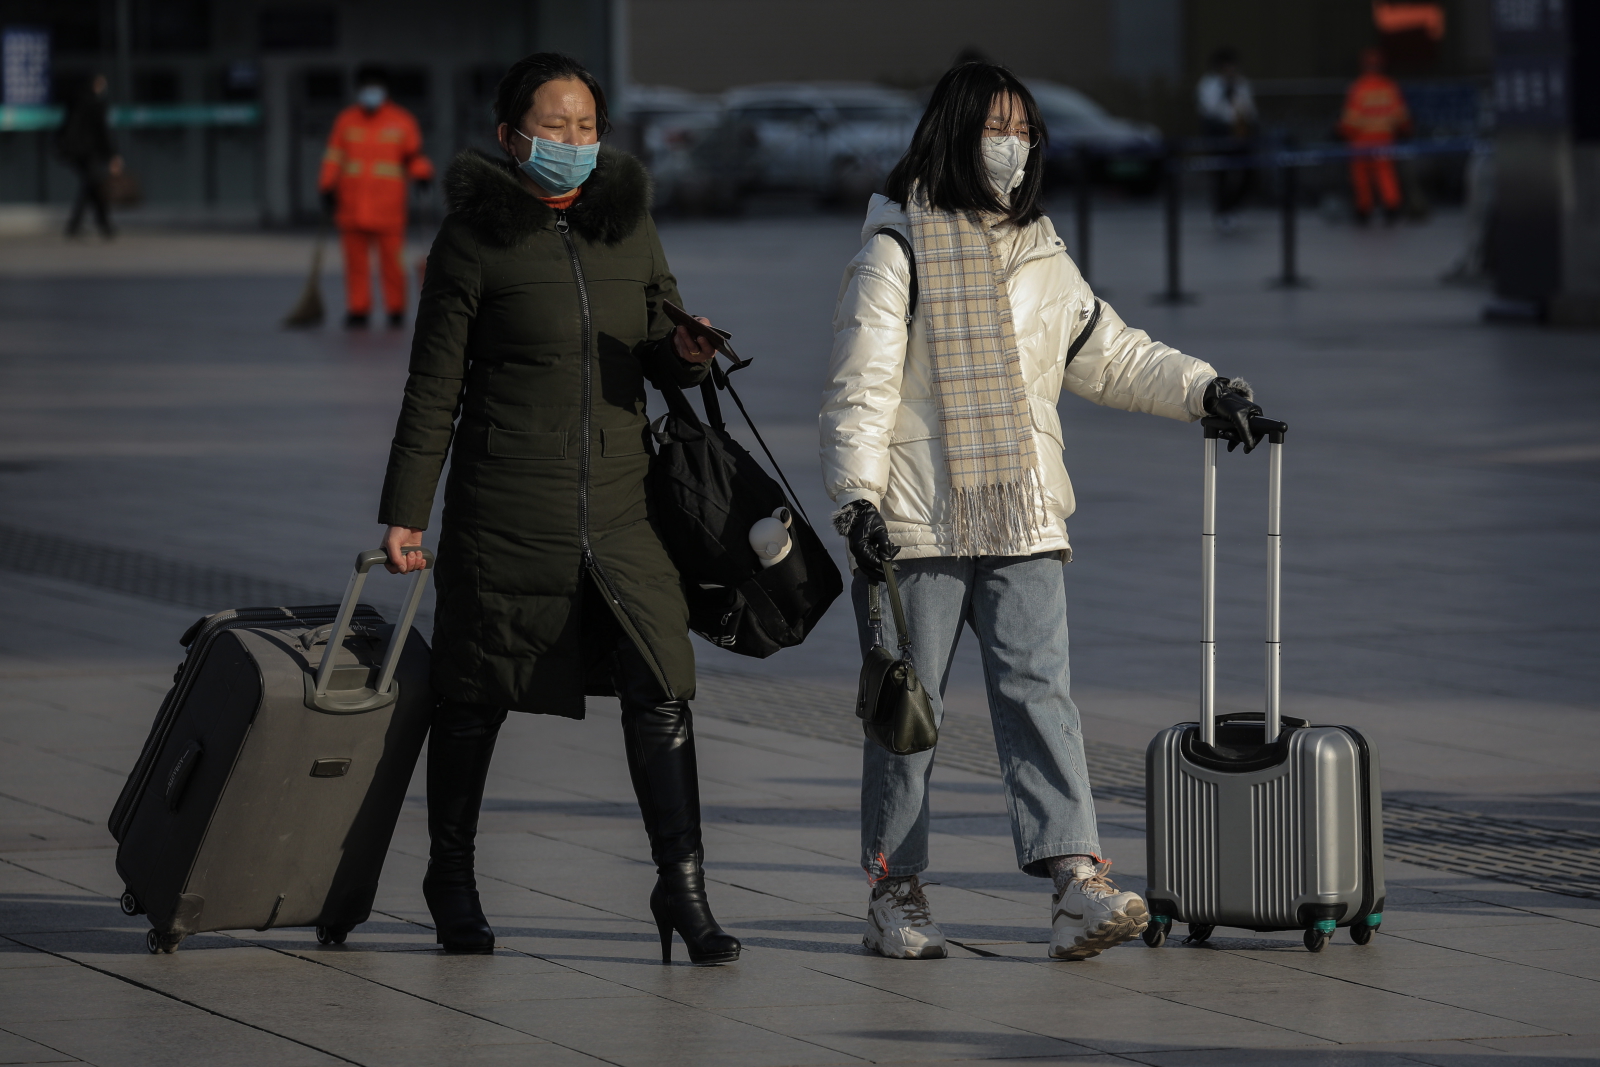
(869, 540)
(1234, 400)
(330, 202)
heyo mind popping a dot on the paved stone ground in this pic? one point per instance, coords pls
(163, 445)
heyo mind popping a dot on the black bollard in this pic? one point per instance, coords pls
(1288, 186)
(1174, 293)
(1083, 190)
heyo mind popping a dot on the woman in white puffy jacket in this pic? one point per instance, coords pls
(942, 446)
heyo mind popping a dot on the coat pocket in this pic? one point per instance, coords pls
(518, 444)
(624, 442)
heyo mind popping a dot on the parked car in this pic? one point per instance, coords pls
(835, 140)
(670, 129)
(1124, 152)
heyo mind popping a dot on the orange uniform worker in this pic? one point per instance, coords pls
(374, 147)
(1374, 114)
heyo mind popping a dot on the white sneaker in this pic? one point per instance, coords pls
(899, 925)
(1091, 915)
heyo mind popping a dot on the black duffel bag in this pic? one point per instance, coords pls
(706, 492)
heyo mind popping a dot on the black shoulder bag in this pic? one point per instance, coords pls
(892, 703)
(705, 493)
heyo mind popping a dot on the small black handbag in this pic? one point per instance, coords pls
(705, 493)
(892, 703)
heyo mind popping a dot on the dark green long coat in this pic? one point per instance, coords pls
(528, 367)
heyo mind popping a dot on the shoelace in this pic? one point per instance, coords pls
(909, 899)
(1098, 882)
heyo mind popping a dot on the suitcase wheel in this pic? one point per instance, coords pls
(1361, 930)
(1318, 936)
(130, 903)
(1155, 934)
(1199, 933)
(332, 935)
(161, 944)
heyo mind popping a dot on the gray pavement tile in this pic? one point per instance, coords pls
(646, 1031)
(79, 994)
(1586, 1043)
(467, 982)
(1271, 1057)
(1495, 939)
(1344, 1012)
(192, 1040)
(14, 956)
(31, 913)
(904, 1030)
(14, 1049)
(760, 979)
(522, 1054)
(322, 1006)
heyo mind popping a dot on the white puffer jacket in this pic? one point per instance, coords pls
(880, 413)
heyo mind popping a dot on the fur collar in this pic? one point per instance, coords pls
(486, 193)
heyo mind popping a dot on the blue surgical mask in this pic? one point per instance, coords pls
(559, 168)
(371, 97)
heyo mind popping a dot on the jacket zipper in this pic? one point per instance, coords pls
(589, 560)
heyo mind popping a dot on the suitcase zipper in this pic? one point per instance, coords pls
(589, 560)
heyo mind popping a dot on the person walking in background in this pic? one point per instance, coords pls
(84, 143)
(1374, 115)
(1228, 122)
(541, 319)
(374, 148)
(942, 445)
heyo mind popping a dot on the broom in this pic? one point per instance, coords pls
(308, 311)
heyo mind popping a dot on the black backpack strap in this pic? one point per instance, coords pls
(1083, 338)
(905, 243)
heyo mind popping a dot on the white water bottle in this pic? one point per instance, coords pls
(770, 537)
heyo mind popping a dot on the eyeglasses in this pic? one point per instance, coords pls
(1029, 134)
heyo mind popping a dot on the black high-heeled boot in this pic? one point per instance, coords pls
(659, 738)
(459, 749)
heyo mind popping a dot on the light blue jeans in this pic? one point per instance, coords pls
(1017, 607)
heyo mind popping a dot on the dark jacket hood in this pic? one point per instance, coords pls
(486, 193)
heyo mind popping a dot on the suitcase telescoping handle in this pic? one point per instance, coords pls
(365, 561)
(1216, 429)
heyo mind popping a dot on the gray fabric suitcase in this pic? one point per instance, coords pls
(269, 787)
(1256, 820)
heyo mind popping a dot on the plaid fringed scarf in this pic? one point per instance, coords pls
(977, 376)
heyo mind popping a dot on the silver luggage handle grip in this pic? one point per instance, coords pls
(365, 561)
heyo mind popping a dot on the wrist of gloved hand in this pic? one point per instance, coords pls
(1233, 399)
(863, 527)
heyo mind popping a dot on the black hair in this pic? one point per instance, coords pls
(515, 95)
(945, 160)
(372, 75)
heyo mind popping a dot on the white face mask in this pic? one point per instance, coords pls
(1006, 159)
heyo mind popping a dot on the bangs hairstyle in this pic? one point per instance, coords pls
(514, 96)
(946, 154)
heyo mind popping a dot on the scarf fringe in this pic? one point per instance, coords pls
(1001, 519)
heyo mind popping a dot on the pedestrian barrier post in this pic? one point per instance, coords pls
(1288, 188)
(1174, 293)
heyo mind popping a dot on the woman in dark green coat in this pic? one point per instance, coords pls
(540, 320)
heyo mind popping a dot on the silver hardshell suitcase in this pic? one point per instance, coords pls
(1256, 820)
